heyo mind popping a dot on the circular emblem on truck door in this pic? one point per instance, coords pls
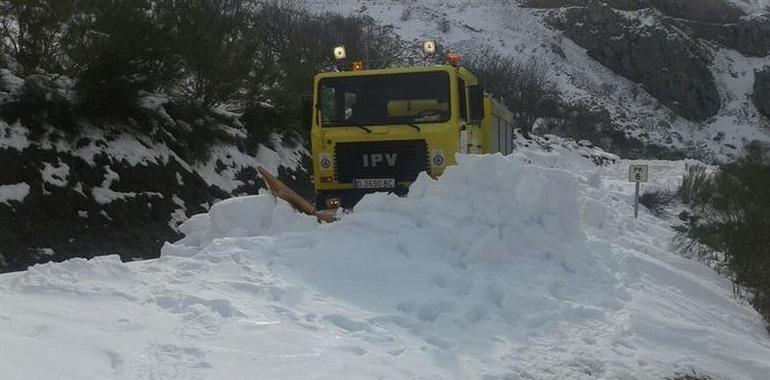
(325, 161)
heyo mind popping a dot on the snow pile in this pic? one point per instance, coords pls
(256, 215)
(529, 266)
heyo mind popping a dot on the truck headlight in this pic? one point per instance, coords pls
(332, 203)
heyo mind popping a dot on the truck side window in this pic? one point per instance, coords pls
(463, 104)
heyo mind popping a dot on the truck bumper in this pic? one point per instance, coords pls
(348, 198)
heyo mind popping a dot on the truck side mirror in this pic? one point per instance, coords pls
(307, 112)
(476, 103)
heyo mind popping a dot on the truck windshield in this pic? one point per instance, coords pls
(384, 99)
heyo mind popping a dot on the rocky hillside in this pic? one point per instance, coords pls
(642, 78)
(115, 189)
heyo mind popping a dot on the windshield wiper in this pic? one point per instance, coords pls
(362, 127)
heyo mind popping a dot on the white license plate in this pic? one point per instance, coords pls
(374, 183)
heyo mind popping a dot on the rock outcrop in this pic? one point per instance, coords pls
(714, 20)
(750, 35)
(647, 49)
(627, 5)
(712, 11)
(761, 95)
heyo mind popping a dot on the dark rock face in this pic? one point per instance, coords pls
(750, 35)
(761, 95)
(628, 5)
(715, 20)
(713, 11)
(672, 66)
(55, 223)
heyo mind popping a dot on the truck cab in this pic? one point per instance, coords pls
(376, 130)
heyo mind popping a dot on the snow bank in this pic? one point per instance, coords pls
(529, 266)
(256, 215)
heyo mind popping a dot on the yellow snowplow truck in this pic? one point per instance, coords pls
(376, 130)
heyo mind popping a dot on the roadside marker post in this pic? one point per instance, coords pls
(638, 174)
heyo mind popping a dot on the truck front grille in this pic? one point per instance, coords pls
(402, 160)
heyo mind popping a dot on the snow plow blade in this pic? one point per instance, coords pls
(280, 190)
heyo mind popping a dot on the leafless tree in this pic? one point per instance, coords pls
(524, 86)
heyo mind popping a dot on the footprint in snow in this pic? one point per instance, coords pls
(348, 324)
(169, 361)
(116, 360)
(427, 311)
(180, 304)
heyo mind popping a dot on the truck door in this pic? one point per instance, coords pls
(475, 117)
(470, 128)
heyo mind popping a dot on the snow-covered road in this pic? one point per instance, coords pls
(522, 267)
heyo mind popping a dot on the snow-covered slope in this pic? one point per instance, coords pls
(522, 267)
(751, 6)
(471, 26)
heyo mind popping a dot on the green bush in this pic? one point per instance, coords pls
(657, 201)
(31, 32)
(732, 224)
(117, 49)
(249, 57)
(696, 187)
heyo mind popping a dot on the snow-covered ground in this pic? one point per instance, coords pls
(529, 266)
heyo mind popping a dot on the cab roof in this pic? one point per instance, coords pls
(396, 70)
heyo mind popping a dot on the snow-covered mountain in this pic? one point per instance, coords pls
(676, 73)
(530, 266)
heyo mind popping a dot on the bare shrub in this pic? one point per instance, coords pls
(406, 14)
(524, 86)
(444, 26)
